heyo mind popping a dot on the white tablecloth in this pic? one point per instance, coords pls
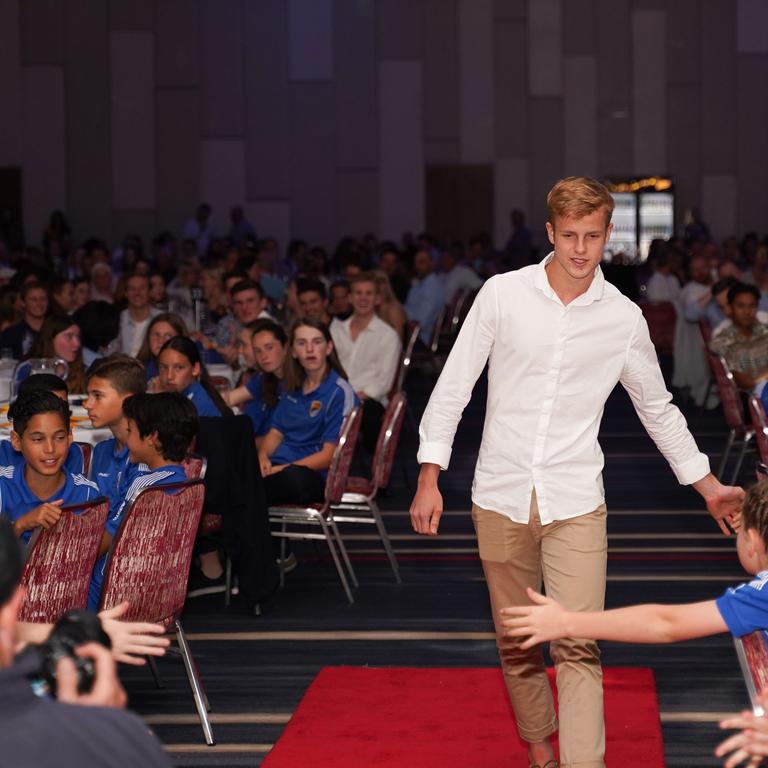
(82, 431)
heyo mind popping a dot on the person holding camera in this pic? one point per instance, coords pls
(79, 727)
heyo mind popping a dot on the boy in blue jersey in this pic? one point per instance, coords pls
(110, 381)
(44, 382)
(159, 431)
(33, 492)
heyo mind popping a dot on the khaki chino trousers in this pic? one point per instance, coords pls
(570, 556)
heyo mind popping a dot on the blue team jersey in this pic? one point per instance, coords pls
(74, 462)
(745, 608)
(16, 499)
(309, 421)
(113, 472)
(256, 409)
(202, 401)
(172, 473)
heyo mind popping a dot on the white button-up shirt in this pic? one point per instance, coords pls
(371, 360)
(551, 369)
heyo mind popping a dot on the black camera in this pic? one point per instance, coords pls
(73, 629)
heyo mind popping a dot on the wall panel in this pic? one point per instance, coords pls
(545, 61)
(11, 85)
(580, 116)
(222, 178)
(510, 191)
(177, 51)
(310, 36)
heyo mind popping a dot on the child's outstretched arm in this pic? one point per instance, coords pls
(547, 620)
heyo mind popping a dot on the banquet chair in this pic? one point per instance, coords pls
(148, 566)
(319, 515)
(760, 427)
(752, 652)
(411, 337)
(733, 411)
(87, 451)
(195, 467)
(60, 561)
(358, 503)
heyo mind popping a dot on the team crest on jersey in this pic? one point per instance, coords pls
(314, 407)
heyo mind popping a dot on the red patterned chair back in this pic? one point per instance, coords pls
(706, 332)
(195, 466)
(411, 337)
(757, 413)
(661, 318)
(60, 561)
(437, 329)
(752, 652)
(87, 450)
(150, 557)
(336, 481)
(454, 311)
(389, 436)
(730, 397)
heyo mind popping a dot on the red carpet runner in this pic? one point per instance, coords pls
(353, 717)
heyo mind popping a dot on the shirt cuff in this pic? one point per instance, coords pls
(693, 470)
(434, 453)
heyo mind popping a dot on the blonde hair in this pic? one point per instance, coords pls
(578, 196)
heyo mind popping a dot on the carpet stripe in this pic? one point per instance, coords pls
(256, 749)
(221, 718)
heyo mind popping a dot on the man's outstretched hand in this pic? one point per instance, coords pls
(723, 502)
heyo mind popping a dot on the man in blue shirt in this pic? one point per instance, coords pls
(426, 298)
(32, 493)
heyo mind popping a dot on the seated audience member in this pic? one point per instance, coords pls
(426, 298)
(59, 337)
(166, 325)
(135, 318)
(181, 369)
(312, 300)
(391, 264)
(663, 284)
(744, 344)
(62, 296)
(390, 310)
(99, 324)
(455, 276)
(720, 295)
(297, 451)
(339, 304)
(691, 368)
(110, 381)
(44, 382)
(369, 350)
(260, 394)
(82, 288)
(43, 732)
(34, 306)
(32, 492)
(248, 305)
(102, 283)
(158, 294)
(214, 292)
(159, 430)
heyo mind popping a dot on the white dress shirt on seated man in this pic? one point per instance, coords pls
(370, 360)
(551, 368)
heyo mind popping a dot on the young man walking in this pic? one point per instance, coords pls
(557, 338)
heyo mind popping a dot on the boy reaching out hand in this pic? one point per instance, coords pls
(740, 610)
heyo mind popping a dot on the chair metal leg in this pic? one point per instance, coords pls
(374, 507)
(339, 568)
(343, 551)
(283, 549)
(201, 701)
(726, 454)
(740, 460)
(227, 581)
(155, 672)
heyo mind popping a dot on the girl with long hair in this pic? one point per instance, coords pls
(59, 337)
(295, 454)
(183, 370)
(162, 327)
(260, 394)
(390, 310)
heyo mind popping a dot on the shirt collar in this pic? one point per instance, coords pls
(593, 293)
